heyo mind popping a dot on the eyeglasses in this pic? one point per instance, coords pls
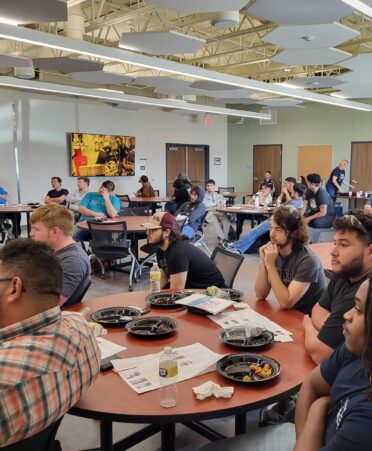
(354, 222)
(151, 231)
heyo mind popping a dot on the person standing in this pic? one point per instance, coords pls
(58, 194)
(337, 179)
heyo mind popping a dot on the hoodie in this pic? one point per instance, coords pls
(194, 210)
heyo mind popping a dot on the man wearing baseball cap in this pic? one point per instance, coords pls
(182, 265)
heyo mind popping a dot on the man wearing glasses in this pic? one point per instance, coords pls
(351, 262)
(47, 359)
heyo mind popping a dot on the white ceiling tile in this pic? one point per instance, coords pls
(313, 82)
(67, 65)
(193, 6)
(7, 60)
(182, 91)
(360, 62)
(296, 12)
(311, 57)
(355, 90)
(161, 42)
(22, 12)
(212, 86)
(310, 36)
(280, 102)
(101, 77)
(355, 76)
(161, 82)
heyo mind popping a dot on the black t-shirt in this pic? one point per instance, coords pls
(182, 256)
(315, 200)
(303, 266)
(340, 176)
(181, 196)
(338, 298)
(53, 194)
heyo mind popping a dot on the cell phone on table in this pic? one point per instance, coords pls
(106, 364)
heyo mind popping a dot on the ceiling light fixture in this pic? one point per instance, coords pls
(99, 94)
(30, 36)
(359, 6)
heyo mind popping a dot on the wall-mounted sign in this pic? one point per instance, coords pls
(217, 161)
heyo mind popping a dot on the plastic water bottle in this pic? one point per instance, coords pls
(257, 201)
(168, 372)
(155, 276)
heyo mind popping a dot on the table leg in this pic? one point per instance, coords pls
(240, 423)
(106, 435)
(168, 437)
(28, 223)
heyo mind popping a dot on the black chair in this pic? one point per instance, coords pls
(109, 243)
(84, 292)
(42, 441)
(228, 264)
(124, 201)
(135, 211)
(6, 230)
(227, 189)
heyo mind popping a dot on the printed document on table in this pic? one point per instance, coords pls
(249, 317)
(108, 348)
(142, 373)
(210, 304)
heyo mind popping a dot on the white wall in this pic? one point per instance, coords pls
(44, 121)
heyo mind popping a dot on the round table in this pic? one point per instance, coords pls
(18, 208)
(110, 399)
(133, 223)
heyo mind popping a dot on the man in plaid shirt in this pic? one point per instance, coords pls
(47, 359)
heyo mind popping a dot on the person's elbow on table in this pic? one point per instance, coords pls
(178, 281)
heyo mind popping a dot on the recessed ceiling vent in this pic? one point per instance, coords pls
(225, 19)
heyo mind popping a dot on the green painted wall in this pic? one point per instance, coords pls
(315, 125)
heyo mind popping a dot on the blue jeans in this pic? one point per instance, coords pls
(248, 240)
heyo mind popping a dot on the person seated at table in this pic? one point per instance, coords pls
(287, 266)
(351, 262)
(318, 209)
(368, 206)
(287, 191)
(264, 199)
(57, 195)
(267, 179)
(101, 204)
(247, 241)
(15, 218)
(48, 358)
(73, 200)
(334, 407)
(193, 211)
(146, 189)
(53, 224)
(182, 265)
(181, 194)
(337, 179)
(213, 200)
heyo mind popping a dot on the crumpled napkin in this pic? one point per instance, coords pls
(240, 305)
(210, 388)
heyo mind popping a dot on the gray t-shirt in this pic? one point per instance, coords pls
(303, 266)
(76, 271)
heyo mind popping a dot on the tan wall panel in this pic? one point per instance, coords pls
(316, 159)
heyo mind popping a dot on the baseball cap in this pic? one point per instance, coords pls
(161, 219)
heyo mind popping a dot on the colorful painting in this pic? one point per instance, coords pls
(102, 155)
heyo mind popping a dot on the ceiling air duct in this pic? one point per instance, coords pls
(225, 19)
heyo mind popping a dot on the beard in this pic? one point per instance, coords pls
(353, 269)
(157, 242)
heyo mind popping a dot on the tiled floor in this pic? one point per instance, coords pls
(78, 433)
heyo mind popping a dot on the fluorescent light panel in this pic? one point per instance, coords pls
(99, 94)
(27, 35)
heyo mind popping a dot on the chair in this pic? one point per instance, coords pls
(42, 441)
(227, 189)
(124, 201)
(199, 239)
(6, 230)
(228, 264)
(135, 211)
(81, 297)
(109, 242)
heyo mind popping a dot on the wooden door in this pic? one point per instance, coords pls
(176, 164)
(196, 164)
(316, 159)
(187, 159)
(267, 157)
(361, 166)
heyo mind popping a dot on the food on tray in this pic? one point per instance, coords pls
(261, 371)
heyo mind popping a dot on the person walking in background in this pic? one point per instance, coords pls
(337, 179)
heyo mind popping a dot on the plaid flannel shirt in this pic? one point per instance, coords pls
(46, 362)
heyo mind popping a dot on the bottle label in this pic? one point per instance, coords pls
(155, 276)
(168, 372)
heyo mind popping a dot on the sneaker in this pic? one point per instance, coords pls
(233, 250)
(282, 412)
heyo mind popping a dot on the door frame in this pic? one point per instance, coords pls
(206, 158)
(281, 162)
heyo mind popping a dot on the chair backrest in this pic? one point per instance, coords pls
(156, 192)
(124, 201)
(226, 189)
(84, 292)
(43, 440)
(135, 211)
(108, 232)
(228, 264)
